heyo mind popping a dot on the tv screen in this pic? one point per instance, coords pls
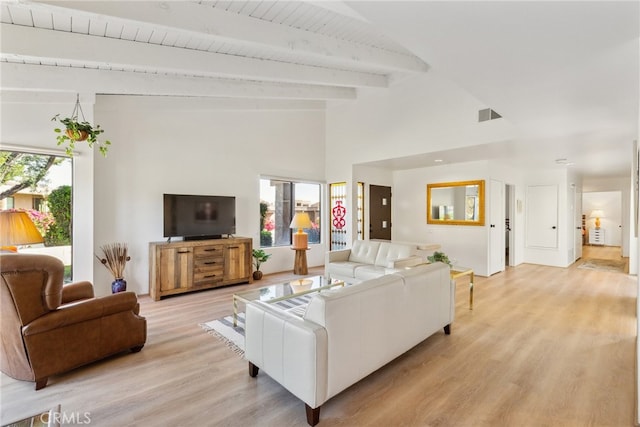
(202, 217)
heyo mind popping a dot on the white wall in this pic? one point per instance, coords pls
(168, 145)
(26, 124)
(466, 244)
(424, 114)
(420, 114)
(164, 145)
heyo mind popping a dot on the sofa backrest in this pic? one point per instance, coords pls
(372, 323)
(389, 252)
(364, 251)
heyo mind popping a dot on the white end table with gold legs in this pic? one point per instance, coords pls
(458, 271)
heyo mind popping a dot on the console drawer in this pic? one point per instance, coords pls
(200, 277)
(209, 263)
(209, 251)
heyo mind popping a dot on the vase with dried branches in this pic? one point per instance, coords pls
(115, 257)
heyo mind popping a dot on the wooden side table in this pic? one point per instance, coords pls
(300, 263)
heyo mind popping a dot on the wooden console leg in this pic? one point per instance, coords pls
(313, 414)
(447, 329)
(253, 370)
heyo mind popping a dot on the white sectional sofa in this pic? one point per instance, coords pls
(347, 333)
(368, 259)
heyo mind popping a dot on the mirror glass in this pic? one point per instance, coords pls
(456, 203)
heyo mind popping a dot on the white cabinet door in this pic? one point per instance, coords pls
(542, 216)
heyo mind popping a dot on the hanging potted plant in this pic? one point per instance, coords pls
(79, 130)
(259, 256)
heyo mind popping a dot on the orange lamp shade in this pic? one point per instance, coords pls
(16, 228)
(300, 239)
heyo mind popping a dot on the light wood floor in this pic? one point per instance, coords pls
(543, 346)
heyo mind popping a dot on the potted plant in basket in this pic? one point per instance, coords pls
(259, 256)
(76, 131)
(115, 259)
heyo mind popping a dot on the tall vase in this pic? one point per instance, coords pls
(118, 285)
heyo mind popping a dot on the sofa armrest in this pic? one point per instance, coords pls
(77, 291)
(407, 262)
(291, 350)
(338, 256)
(83, 311)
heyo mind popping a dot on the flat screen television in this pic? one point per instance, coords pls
(199, 217)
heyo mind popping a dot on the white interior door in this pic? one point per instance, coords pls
(510, 192)
(577, 224)
(542, 216)
(496, 228)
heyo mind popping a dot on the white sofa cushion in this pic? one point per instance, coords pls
(364, 251)
(369, 259)
(390, 252)
(366, 272)
(345, 268)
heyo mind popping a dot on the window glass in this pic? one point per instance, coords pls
(280, 200)
(38, 203)
(40, 184)
(338, 200)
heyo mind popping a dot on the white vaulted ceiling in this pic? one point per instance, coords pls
(564, 74)
(264, 49)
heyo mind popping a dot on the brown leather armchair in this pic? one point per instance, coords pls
(48, 328)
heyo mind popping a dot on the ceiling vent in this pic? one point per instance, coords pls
(487, 114)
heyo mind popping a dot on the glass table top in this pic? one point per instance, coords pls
(281, 291)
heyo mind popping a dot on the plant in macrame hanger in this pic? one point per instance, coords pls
(77, 130)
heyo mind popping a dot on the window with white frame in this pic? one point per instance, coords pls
(41, 185)
(280, 200)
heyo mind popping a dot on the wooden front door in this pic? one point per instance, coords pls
(379, 212)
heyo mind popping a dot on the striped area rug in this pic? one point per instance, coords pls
(233, 337)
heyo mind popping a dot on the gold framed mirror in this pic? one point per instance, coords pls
(456, 203)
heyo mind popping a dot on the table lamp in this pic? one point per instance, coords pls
(597, 214)
(300, 239)
(16, 228)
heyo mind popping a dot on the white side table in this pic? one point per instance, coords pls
(596, 236)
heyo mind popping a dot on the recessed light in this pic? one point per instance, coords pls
(438, 160)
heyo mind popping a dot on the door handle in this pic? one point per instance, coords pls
(554, 227)
(492, 226)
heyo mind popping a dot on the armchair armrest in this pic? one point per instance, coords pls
(339, 255)
(77, 291)
(82, 312)
(407, 262)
